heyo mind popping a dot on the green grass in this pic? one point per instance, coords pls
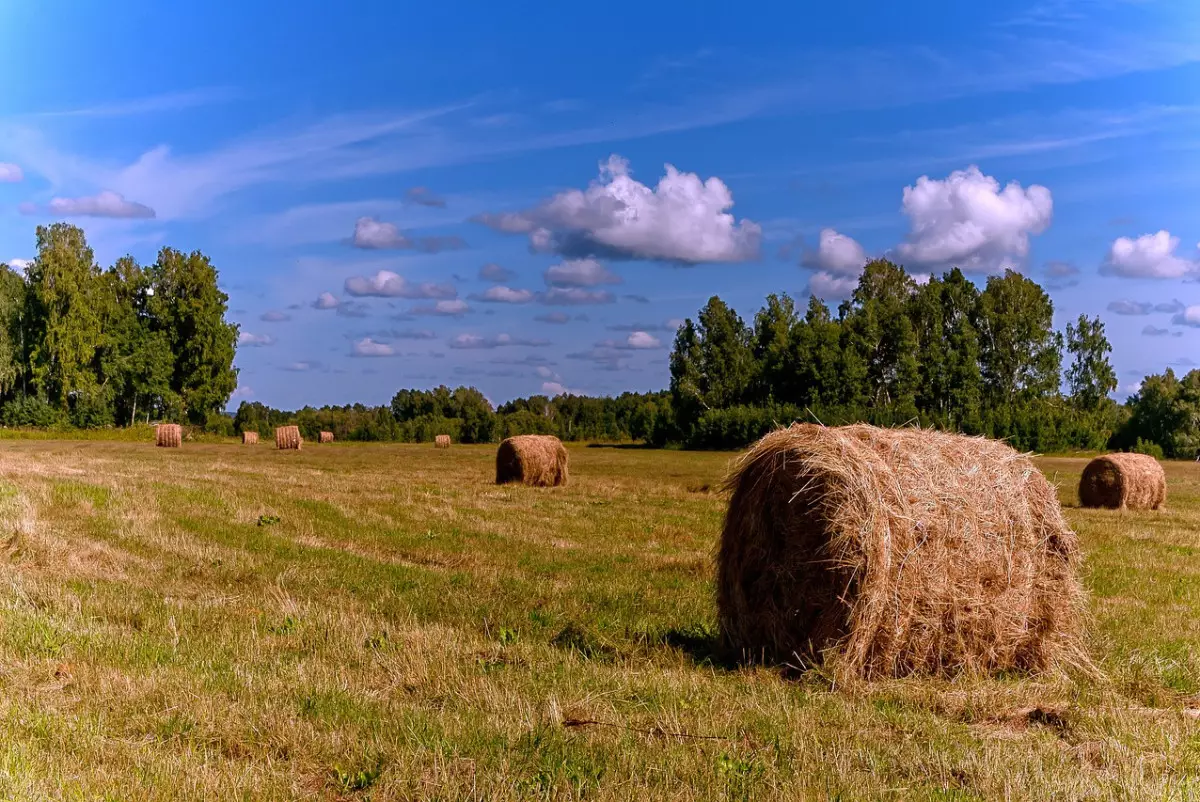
(382, 622)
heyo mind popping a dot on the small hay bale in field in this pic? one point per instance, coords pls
(538, 460)
(890, 552)
(1123, 481)
(441, 441)
(168, 435)
(325, 437)
(287, 438)
(249, 438)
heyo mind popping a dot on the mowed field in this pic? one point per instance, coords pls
(382, 622)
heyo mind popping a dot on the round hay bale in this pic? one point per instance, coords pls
(537, 460)
(287, 438)
(249, 438)
(890, 552)
(168, 435)
(441, 441)
(325, 437)
(1123, 481)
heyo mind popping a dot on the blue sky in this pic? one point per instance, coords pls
(402, 196)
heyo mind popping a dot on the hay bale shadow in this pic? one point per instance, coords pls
(703, 646)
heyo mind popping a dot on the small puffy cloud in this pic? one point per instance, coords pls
(495, 273)
(1190, 316)
(558, 318)
(106, 204)
(1060, 275)
(830, 287)
(1148, 256)
(1130, 307)
(424, 197)
(373, 234)
(10, 173)
(836, 254)
(641, 340)
(451, 308)
(301, 367)
(580, 273)
(554, 389)
(1155, 331)
(274, 316)
(575, 296)
(683, 219)
(326, 300)
(476, 341)
(1170, 307)
(386, 284)
(255, 340)
(503, 295)
(367, 347)
(968, 221)
(545, 372)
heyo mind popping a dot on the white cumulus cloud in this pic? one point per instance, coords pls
(373, 234)
(830, 287)
(106, 204)
(454, 308)
(575, 296)
(10, 173)
(837, 254)
(1148, 256)
(246, 338)
(503, 295)
(1188, 317)
(369, 347)
(968, 221)
(326, 300)
(386, 284)
(580, 273)
(683, 219)
(641, 340)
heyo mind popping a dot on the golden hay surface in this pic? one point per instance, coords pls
(168, 435)
(537, 460)
(889, 552)
(249, 438)
(325, 437)
(1123, 481)
(287, 438)
(441, 441)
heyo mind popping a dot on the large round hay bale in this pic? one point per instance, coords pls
(889, 552)
(325, 437)
(287, 438)
(168, 435)
(441, 441)
(538, 460)
(249, 438)
(1123, 481)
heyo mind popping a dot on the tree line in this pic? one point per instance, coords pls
(90, 347)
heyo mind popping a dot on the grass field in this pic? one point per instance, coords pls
(381, 622)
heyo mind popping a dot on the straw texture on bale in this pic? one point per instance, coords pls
(538, 460)
(325, 437)
(891, 552)
(288, 438)
(441, 441)
(168, 435)
(249, 438)
(1123, 481)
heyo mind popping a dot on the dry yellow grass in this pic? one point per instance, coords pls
(219, 623)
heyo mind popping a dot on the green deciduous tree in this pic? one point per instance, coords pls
(1090, 376)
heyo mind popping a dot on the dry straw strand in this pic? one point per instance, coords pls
(168, 435)
(325, 437)
(1123, 481)
(249, 438)
(890, 552)
(287, 438)
(537, 460)
(441, 441)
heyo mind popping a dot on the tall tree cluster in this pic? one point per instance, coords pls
(99, 347)
(944, 353)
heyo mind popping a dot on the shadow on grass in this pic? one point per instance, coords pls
(702, 645)
(623, 446)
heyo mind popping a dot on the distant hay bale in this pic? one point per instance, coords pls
(168, 435)
(890, 552)
(287, 438)
(325, 437)
(441, 441)
(249, 438)
(1123, 481)
(538, 460)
